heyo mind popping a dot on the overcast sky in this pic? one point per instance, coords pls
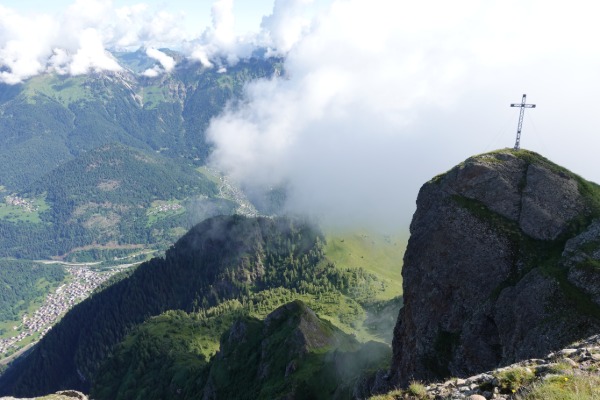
(379, 96)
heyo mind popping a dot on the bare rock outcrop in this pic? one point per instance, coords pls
(499, 267)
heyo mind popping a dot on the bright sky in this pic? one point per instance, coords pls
(196, 13)
(380, 95)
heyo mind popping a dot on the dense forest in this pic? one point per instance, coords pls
(220, 259)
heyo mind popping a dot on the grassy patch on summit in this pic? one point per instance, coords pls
(65, 90)
(563, 387)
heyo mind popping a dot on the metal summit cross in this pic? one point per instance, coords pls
(523, 106)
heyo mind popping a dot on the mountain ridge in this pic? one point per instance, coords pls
(221, 258)
(502, 266)
(53, 118)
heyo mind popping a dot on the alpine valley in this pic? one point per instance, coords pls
(101, 173)
(198, 290)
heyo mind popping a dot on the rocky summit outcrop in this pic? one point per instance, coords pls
(502, 265)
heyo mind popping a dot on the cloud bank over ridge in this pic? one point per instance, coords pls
(381, 96)
(377, 97)
(77, 40)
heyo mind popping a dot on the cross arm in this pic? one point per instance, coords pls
(523, 105)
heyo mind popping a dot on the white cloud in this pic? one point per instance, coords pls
(332, 127)
(166, 62)
(76, 41)
(152, 72)
(380, 96)
(202, 53)
(218, 43)
(91, 55)
(30, 45)
(23, 49)
(285, 26)
(223, 22)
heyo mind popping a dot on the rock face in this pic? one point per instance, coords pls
(500, 267)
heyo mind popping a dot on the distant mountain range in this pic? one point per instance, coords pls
(101, 166)
(50, 119)
(148, 191)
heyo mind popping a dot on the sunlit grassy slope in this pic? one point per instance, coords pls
(65, 90)
(376, 253)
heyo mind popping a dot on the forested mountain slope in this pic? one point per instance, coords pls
(106, 202)
(50, 119)
(289, 352)
(53, 199)
(221, 258)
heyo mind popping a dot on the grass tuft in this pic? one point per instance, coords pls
(511, 380)
(417, 389)
(393, 395)
(578, 387)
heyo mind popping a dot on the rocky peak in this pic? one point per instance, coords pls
(486, 282)
(520, 186)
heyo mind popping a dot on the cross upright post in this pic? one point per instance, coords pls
(522, 106)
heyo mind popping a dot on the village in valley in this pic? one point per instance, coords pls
(25, 204)
(83, 281)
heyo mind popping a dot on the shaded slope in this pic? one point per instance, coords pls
(292, 352)
(218, 259)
